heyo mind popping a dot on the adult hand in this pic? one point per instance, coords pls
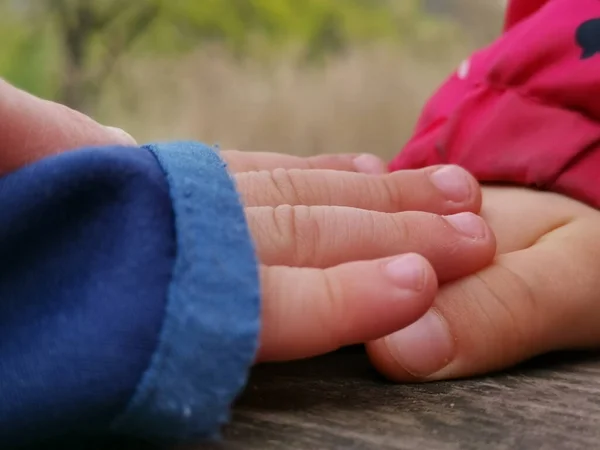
(541, 294)
(32, 128)
(340, 262)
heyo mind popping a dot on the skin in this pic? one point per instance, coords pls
(32, 128)
(541, 294)
(350, 254)
(328, 262)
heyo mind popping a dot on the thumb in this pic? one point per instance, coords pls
(530, 302)
(32, 128)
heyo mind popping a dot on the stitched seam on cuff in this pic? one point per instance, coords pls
(209, 337)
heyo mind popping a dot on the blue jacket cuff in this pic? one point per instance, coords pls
(210, 332)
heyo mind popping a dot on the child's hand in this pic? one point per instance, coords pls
(330, 276)
(542, 294)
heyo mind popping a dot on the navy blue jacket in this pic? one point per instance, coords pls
(129, 295)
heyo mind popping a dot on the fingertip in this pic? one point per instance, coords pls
(469, 225)
(120, 136)
(419, 352)
(414, 267)
(475, 241)
(386, 365)
(458, 186)
(369, 164)
(404, 293)
(382, 296)
(307, 312)
(435, 189)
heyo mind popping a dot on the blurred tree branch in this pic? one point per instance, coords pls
(120, 44)
(86, 41)
(80, 23)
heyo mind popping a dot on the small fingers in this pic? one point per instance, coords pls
(239, 162)
(533, 301)
(443, 190)
(307, 312)
(322, 236)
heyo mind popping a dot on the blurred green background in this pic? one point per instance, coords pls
(297, 76)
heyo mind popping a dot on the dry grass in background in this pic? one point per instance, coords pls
(365, 101)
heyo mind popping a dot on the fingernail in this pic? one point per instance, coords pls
(453, 182)
(407, 272)
(469, 224)
(123, 137)
(423, 348)
(369, 164)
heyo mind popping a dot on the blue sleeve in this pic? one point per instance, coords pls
(129, 295)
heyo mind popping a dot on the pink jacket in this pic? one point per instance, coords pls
(526, 109)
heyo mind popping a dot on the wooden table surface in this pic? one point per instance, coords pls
(338, 402)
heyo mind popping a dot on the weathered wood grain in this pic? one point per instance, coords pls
(338, 402)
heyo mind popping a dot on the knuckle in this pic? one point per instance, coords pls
(392, 189)
(286, 186)
(299, 231)
(249, 185)
(284, 220)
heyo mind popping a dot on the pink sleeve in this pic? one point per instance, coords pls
(526, 109)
